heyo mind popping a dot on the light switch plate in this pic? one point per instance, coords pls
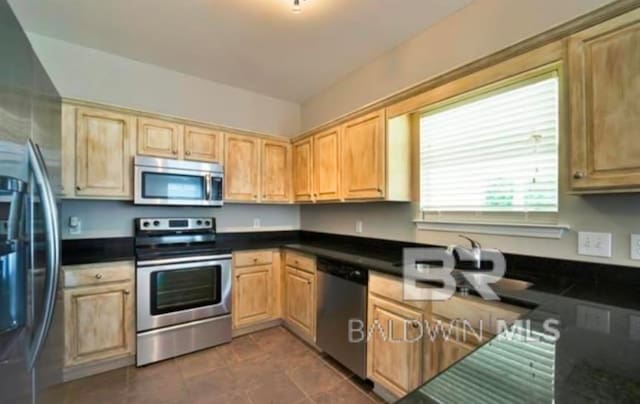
(635, 246)
(595, 244)
(75, 225)
(634, 327)
(358, 226)
(256, 223)
(593, 318)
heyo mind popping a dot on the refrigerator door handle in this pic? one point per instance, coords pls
(48, 202)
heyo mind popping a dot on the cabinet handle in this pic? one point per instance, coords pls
(98, 276)
(578, 175)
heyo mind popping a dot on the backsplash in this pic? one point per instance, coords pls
(115, 218)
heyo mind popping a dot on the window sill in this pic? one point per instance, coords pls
(552, 231)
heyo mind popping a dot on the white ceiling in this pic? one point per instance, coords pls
(258, 45)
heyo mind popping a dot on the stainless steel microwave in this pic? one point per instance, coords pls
(177, 182)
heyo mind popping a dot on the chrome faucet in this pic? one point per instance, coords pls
(475, 252)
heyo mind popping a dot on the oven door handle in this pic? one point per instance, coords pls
(186, 265)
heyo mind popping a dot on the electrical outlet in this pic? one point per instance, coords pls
(75, 225)
(256, 223)
(358, 226)
(593, 318)
(635, 246)
(595, 244)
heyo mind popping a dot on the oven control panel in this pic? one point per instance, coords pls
(169, 224)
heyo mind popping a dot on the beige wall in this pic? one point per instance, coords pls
(482, 28)
(92, 75)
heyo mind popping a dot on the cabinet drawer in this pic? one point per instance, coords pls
(248, 258)
(392, 287)
(97, 274)
(478, 312)
(303, 262)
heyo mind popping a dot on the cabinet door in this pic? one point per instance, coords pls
(441, 354)
(303, 170)
(326, 166)
(104, 153)
(605, 106)
(276, 171)
(300, 300)
(98, 323)
(241, 168)
(393, 362)
(202, 144)
(159, 138)
(363, 157)
(252, 294)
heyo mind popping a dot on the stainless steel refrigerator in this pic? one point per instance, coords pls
(31, 336)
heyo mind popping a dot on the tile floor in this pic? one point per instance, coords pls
(271, 366)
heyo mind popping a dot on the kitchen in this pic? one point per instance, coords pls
(214, 221)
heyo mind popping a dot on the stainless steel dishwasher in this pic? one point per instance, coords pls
(342, 296)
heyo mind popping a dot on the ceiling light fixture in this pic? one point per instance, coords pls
(297, 7)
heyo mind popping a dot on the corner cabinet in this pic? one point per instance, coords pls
(605, 105)
(99, 306)
(242, 165)
(303, 170)
(275, 171)
(104, 147)
(363, 157)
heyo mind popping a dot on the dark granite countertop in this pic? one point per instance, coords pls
(591, 361)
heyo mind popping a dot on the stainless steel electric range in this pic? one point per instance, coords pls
(183, 284)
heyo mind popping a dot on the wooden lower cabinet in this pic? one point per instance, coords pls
(99, 323)
(300, 301)
(394, 362)
(439, 354)
(252, 294)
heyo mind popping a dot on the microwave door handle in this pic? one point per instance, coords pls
(207, 186)
(50, 209)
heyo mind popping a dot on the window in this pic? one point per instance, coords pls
(496, 152)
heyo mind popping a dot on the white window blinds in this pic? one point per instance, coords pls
(497, 152)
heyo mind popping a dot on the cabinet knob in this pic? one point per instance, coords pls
(127, 292)
(78, 188)
(415, 324)
(188, 153)
(175, 152)
(255, 260)
(578, 175)
(98, 276)
(255, 197)
(308, 282)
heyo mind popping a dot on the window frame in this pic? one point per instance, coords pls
(534, 224)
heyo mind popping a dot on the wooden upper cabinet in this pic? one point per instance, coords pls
(159, 138)
(326, 165)
(202, 144)
(303, 170)
(276, 171)
(394, 364)
(242, 165)
(104, 153)
(364, 157)
(604, 64)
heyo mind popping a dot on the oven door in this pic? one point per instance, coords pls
(171, 186)
(177, 291)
